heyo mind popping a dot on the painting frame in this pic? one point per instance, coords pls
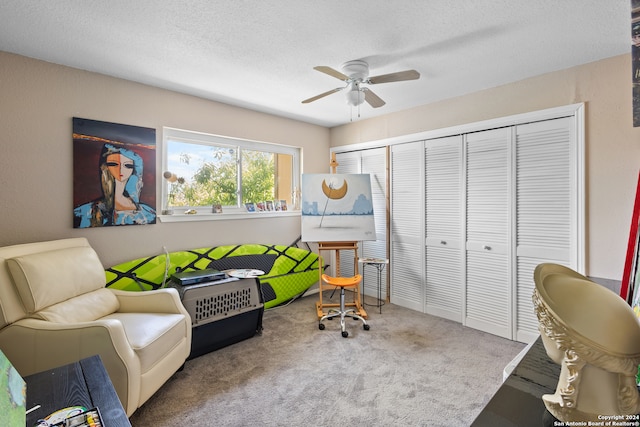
(114, 174)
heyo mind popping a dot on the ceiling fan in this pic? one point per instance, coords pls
(356, 74)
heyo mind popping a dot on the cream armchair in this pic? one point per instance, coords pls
(55, 309)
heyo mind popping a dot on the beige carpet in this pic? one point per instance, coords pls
(410, 369)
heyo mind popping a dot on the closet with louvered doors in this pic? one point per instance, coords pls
(489, 205)
(522, 209)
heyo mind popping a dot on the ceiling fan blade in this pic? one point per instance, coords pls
(372, 99)
(322, 95)
(330, 71)
(395, 77)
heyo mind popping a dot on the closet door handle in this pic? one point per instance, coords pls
(443, 242)
(486, 248)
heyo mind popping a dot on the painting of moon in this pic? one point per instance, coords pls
(337, 207)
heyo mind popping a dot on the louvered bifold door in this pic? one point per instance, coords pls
(488, 298)
(374, 162)
(348, 163)
(546, 201)
(444, 288)
(407, 226)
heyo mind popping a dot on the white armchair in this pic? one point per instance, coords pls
(55, 310)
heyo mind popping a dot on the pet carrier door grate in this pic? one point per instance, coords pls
(223, 304)
(218, 300)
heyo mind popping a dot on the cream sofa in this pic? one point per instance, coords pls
(55, 309)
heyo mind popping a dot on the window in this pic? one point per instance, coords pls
(202, 170)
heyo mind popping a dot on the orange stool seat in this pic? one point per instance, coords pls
(344, 282)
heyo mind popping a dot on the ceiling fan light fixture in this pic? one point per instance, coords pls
(355, 96)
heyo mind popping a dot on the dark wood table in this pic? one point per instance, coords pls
(84, 383)
(518, 402)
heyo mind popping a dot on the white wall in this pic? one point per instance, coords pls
(612, 143)
(37, 102)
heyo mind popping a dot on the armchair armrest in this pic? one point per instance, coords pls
(159, 301)
(25, 341)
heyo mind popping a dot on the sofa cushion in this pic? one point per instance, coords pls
(46, 278)
(152, 335)
(84, 308)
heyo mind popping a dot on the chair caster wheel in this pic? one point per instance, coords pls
(321, 326)
(366, 327)
(345, 334)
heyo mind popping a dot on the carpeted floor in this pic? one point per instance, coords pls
(409, 369)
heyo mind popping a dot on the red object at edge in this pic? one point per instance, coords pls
(631, 248)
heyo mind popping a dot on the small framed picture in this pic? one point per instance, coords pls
(269, 205)
(283, 205)
(261, 207)
(216, 208)
(251, 207)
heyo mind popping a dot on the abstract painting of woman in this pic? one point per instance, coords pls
(120, 176)
(120, 173)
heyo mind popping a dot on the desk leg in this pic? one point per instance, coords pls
(380, 269)
(364, 269)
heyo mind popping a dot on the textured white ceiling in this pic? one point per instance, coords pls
(260, 54)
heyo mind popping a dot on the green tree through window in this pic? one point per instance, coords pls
(258, 176)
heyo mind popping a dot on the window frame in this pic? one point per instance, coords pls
(229, 212)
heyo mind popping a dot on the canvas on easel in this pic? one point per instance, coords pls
(337, 207)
